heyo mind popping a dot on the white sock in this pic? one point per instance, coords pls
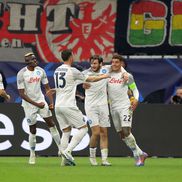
(104, 154)
(131, 143)
(65, 140)
(77, 138)
(55, 135)
(32, 143)
(93, 152)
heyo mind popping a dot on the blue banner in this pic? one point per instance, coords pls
(156, 79)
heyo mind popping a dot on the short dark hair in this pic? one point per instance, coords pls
(118, 56)
(99, 58)
(125, 63)
(66, 54)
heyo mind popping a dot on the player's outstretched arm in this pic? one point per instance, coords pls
(97, 78)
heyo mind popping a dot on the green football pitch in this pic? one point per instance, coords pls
(48, 169)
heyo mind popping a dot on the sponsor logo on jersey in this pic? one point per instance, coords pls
(34, 80)
(117, 81)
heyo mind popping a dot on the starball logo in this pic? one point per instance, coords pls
(86, 27)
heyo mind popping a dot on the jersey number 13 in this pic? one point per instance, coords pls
(60, 81)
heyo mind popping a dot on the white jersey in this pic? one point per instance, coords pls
(1, 82)
(66, 79)
(31, 81)
(118, 91)
(96, 95)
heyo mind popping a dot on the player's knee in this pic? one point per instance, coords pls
(33, 131)
(125, 132)
(103, 133)
(96, 133)
(49, 121)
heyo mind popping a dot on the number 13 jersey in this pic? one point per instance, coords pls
(66, 79)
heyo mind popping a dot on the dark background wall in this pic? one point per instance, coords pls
(157, 129)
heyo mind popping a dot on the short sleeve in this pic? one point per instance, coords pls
(20, 80)
(78, 76)
(131, 79)
(44, 77)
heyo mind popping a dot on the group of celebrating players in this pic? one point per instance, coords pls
(106, 87)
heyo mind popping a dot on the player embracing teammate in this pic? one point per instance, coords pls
(122, 107)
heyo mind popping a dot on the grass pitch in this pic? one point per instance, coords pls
(47, 169)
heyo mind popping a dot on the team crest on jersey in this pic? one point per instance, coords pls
(38, 73)
(103, 71)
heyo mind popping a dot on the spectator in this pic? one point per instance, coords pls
(177, 98)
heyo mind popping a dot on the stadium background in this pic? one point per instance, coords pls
(148, 33)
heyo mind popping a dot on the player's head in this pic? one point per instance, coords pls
(96, 62)
(30, 59)
(179, 92)
(67, 55)
(124, 63)
(117, 62)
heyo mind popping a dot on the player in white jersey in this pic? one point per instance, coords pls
(96, 108)
(122, 109)
(3, 93)
(29, 81)
(67, 113)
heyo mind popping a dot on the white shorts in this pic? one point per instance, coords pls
(32, 111)
(69, 116)
(99, 115)
(122, 118)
